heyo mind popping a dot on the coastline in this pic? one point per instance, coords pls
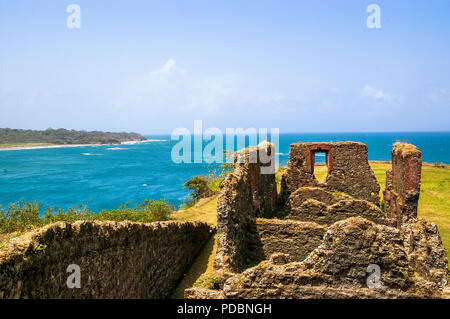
(19, 148)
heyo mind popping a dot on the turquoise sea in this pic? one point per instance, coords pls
(106, 176)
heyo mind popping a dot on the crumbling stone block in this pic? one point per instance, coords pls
(312, 210)
(318, 193)
(348, 171)
(203, 293)
(279, 258)
(295, 238)
(426, 253)
(401, 195)
(336, 269)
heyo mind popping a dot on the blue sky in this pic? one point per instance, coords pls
(152, 66)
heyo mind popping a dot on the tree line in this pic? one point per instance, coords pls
(63, 136)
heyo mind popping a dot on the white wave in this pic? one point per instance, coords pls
(153, 140)
(115, 148)
(140, 142)
(90, 154)
(281, 154)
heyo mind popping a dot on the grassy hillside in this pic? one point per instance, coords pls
(203, 211)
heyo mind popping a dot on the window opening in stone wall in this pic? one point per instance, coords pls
(320, 166)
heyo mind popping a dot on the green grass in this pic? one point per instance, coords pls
(203, 211)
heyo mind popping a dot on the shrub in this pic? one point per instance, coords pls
(20, 216)
(209, 184)
(23, 216)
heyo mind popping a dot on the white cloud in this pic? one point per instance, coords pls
(169, 67)
(185, 91)
(378, 95)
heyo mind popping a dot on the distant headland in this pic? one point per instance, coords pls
(18, 138)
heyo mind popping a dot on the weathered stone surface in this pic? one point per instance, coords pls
(401, 195)
(117, 259)
(202, 293)
(299, 262)
(247, 192)
(336, 269)
(426, 253)
(312, 210)
(318, 193)
(297, 239)
(259, 162)
(348, 170)
(279, 258)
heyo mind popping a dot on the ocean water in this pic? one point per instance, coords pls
(106, 176)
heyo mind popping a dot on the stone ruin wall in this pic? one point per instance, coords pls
(116, 259)
(348, 171)
(322, 236)
(401, 196)
(246, 194)
(318, 205)
(295, 238)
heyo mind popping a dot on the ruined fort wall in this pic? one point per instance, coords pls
(247, 192)
(348, 171)
(116, 259)
(411, 261)
(402, 191)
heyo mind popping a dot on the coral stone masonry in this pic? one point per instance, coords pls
(323, 240)
(401, 196)
(348, 170)
(115, 259)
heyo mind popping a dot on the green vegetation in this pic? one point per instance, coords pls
(23, 216)
(22, 138)
(205, 186)
(199, 188)
(207, 281)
